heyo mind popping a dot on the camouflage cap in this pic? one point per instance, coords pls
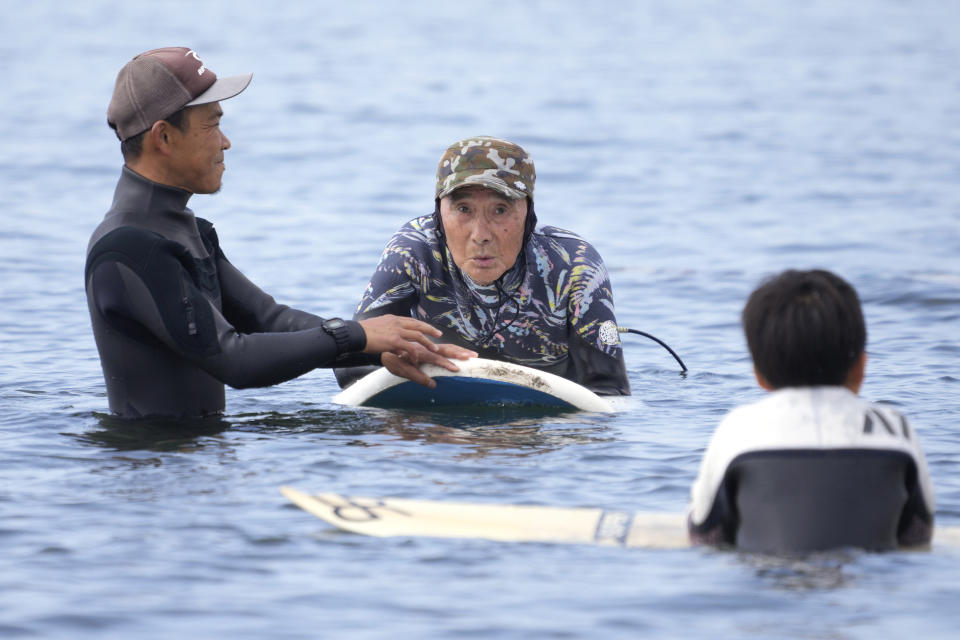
(488, 162)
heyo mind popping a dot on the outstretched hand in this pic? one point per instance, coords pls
(405, 344)
(399, 365)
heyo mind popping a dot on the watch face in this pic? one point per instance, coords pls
(334, 323)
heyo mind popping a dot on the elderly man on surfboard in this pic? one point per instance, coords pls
(481, 270)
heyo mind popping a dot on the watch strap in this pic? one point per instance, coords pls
(337, 329)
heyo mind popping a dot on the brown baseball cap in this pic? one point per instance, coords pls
(158, 83)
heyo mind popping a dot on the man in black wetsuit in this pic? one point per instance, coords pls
(173, 319)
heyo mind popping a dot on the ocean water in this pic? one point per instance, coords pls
(700, 146)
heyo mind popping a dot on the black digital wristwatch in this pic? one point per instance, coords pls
(337, 329)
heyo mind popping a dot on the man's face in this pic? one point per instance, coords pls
(484, 231)
(197, 152)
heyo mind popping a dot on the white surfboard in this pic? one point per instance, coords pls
(387, 517)
(383, 517)
(479, 382)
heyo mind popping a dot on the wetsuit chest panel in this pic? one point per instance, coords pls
(181, 288)
(803, 500)
(108, 291)
(204, 273)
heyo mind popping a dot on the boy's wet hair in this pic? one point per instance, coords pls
(804, 328)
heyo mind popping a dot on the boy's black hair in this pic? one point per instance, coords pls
(804, 328)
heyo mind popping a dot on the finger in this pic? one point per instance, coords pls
(410, 352)
(421, 327)
(426, 357)
(399, 367)
(432, 358)
(418, 338)
(419, 377)
(449, 365)
(453, 351)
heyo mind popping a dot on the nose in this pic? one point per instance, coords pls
(225, 141)
(481, 230)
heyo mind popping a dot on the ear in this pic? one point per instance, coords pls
(438, 221)
(530, 223)
(158, 136)
(857, 373)
(763, 382)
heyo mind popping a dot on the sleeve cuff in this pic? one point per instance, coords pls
(358, 337)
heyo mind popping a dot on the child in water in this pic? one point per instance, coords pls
(811, 466)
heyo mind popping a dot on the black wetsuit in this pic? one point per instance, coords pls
(174, 320)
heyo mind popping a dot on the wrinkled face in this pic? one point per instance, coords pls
(197, 152)
(484, 231)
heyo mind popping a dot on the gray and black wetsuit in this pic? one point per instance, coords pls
(174, 320)
(810, 469)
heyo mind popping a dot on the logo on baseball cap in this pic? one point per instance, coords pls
(158, 83)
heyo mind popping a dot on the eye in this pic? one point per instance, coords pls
(501, 210)
(463, 208)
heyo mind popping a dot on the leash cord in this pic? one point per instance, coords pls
(658, 341)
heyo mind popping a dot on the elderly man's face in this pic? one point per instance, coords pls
(484, 231)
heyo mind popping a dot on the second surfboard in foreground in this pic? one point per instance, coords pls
(479, 382)
(514, 523)
(386, 517)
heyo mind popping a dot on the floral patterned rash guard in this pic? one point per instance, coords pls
(553, 310)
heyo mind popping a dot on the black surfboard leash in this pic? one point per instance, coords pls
(663, 344)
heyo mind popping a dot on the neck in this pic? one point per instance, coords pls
(154, 172)
(144, 203)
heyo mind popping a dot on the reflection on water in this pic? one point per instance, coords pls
(514, 434)
(151, 434)
(518, 431)
(329, 421)
(807, 572)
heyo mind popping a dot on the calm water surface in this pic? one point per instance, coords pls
(700, 145)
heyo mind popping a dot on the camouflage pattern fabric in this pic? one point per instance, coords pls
(489, 162)
(558, 284)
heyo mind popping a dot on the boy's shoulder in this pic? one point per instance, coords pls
(816, 417)
(807, 419)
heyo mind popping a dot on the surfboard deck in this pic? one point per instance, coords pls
(388, 517)
(385, 517)
(480, 382)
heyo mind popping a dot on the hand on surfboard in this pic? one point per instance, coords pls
(405, 344)
(401, 365)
